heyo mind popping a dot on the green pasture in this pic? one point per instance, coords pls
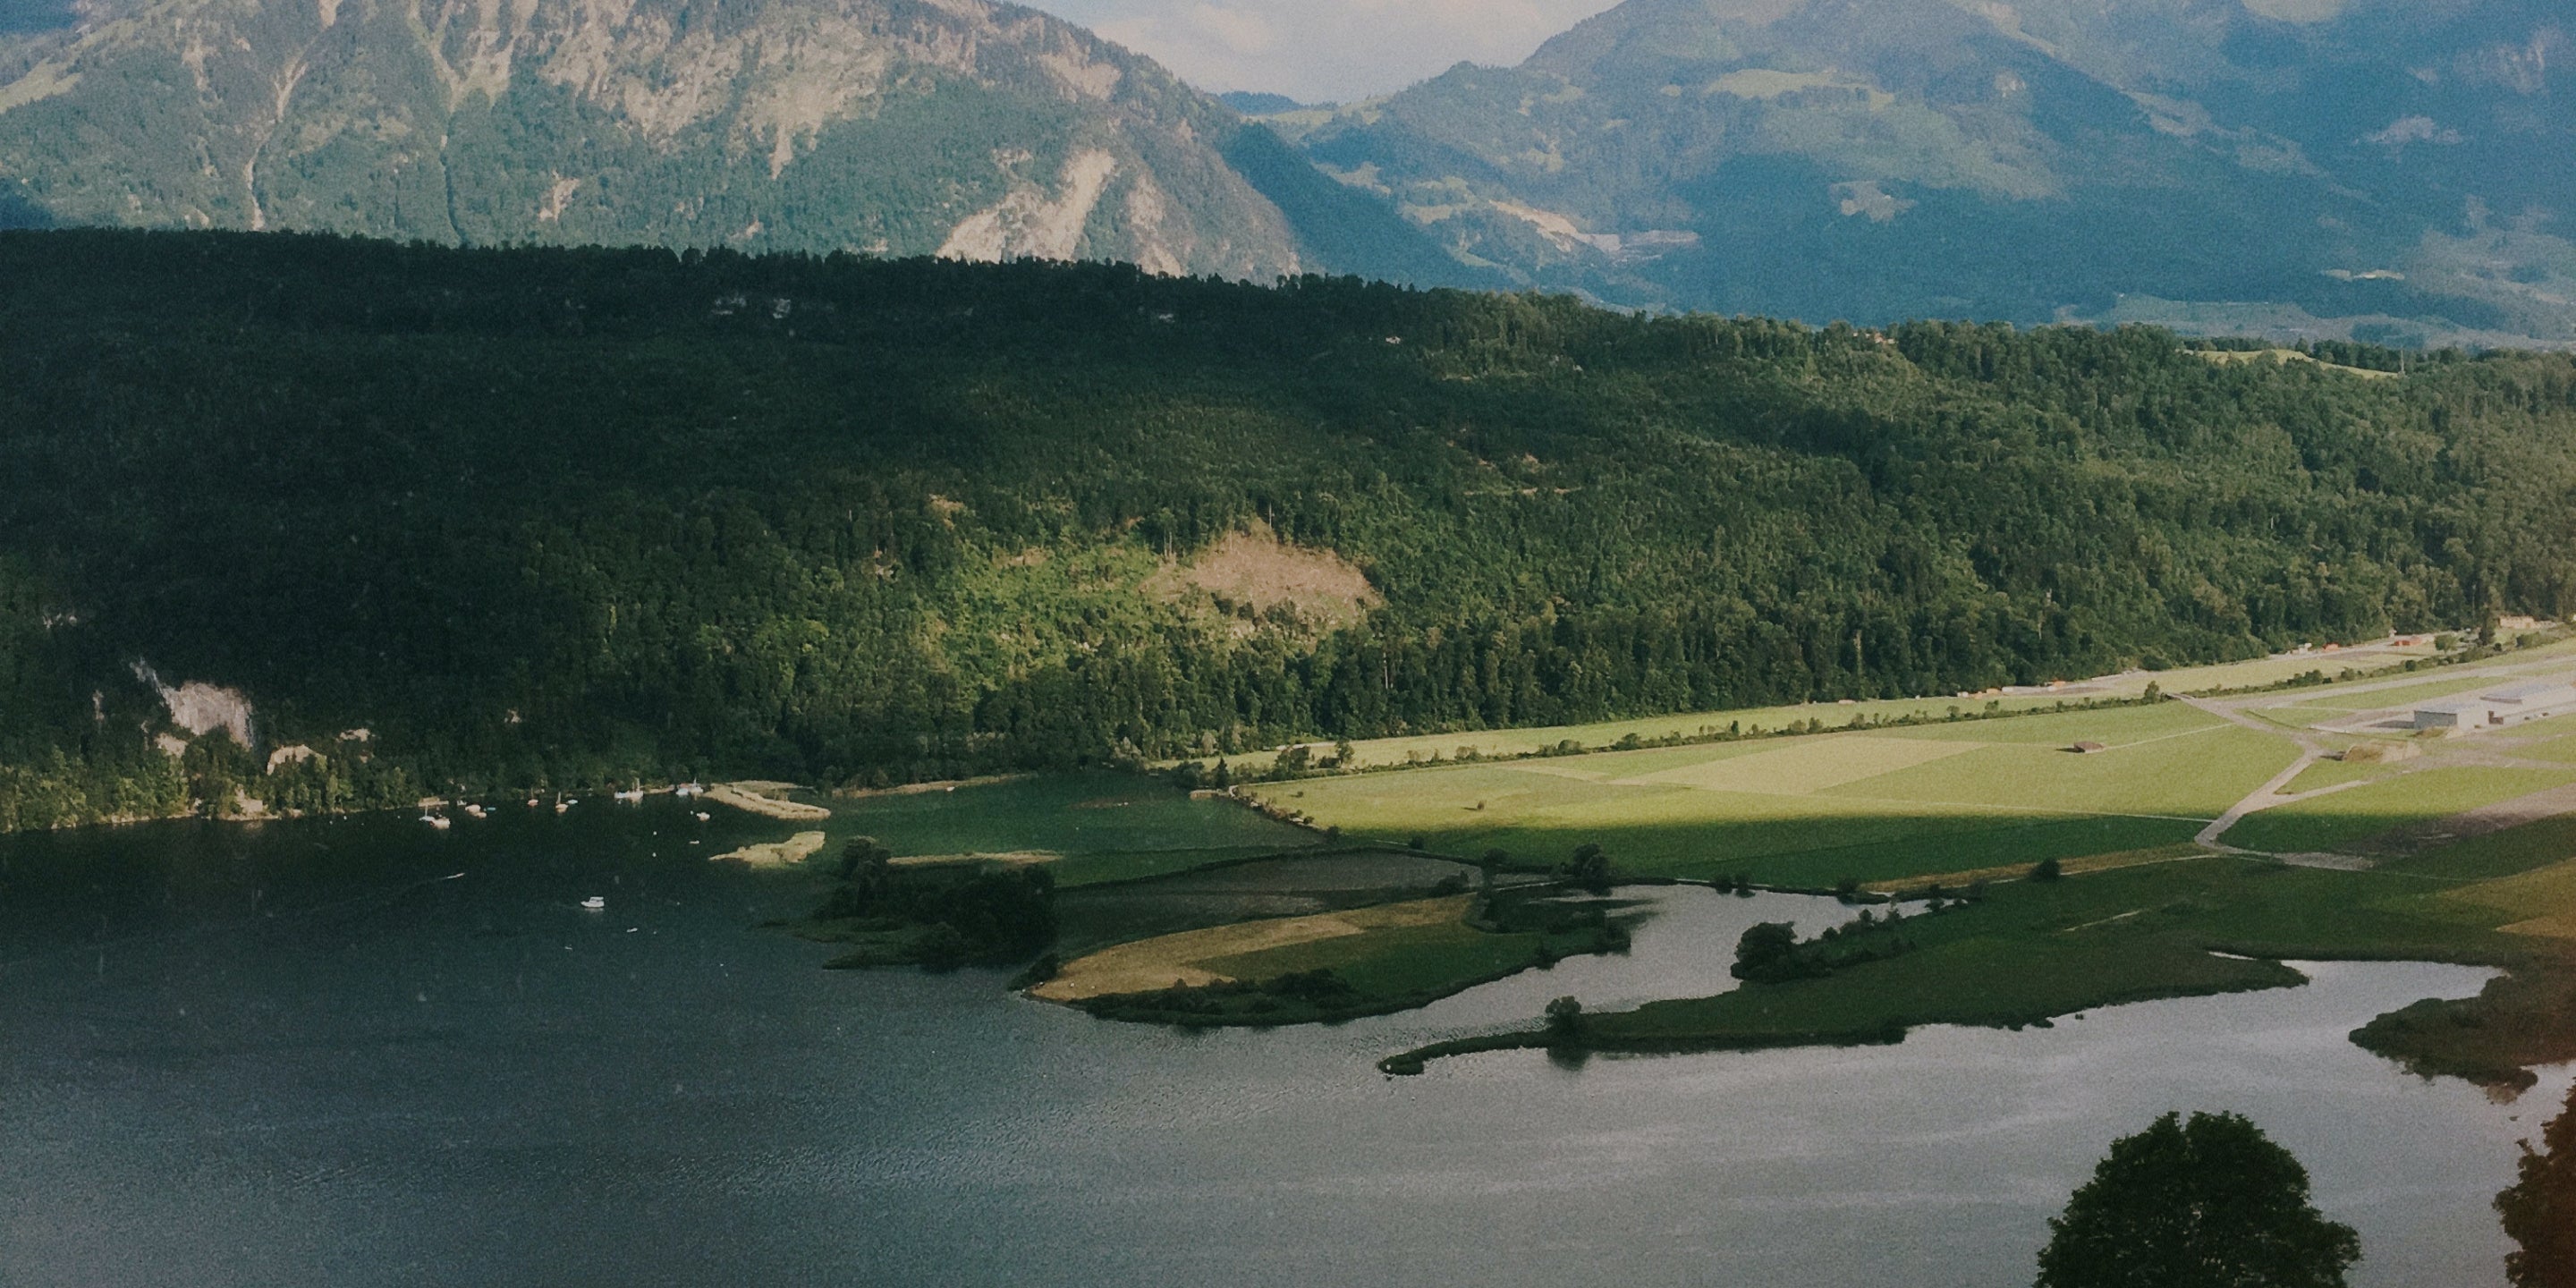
(2331, 773)
(1810, 811)
(2396, 801)
(1106, 826)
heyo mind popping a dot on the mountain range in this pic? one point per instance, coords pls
(2390, 171)
(2394, 170)
(886, 127)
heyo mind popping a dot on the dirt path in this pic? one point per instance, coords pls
(2269, 794)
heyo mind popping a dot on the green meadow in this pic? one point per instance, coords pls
(1810, 811)
(1090, 827)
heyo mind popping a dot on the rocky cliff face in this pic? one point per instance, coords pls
(957, 127)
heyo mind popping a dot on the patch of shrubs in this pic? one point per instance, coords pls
(1317, 991)
(1770, 952)
(957, 915)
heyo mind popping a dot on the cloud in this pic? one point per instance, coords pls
(1324, 50)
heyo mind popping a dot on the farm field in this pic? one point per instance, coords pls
(2413, 794)
(1811, 811)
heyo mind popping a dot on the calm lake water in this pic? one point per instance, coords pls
(311, 1054)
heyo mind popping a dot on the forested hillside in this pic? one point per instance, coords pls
(502, 519)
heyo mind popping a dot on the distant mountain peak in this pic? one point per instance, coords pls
(893, 127)
(2034, 160)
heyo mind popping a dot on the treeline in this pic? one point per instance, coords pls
(554, 518)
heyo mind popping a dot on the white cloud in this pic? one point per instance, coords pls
(1324, 50)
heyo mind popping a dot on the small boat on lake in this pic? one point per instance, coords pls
(635, 797)
(439, 821)
(594, 904)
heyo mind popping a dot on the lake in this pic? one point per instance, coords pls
(360, 1052)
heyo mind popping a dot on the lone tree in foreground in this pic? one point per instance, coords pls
(2539, 1209)
(2212, 1203)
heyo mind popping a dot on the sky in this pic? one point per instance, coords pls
(1330, 51)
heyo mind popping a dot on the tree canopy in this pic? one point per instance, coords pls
(2539, 1208)
(2208, 1203)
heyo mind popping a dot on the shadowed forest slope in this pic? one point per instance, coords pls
(555, 517)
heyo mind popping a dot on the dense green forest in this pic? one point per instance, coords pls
(549, 518)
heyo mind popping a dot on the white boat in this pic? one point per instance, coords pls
(439, 821)
(475, 810)
(594, 903)
(689, 789)
(635, 797)
(703, 817)
(561, 806)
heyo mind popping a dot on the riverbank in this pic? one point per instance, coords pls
(2033, 952)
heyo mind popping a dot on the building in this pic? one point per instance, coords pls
(2530, 700)
(2514, 704)
(2453, 713)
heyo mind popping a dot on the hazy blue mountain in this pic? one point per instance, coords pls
(1253, 103)
(2392, 168)
(896, 127)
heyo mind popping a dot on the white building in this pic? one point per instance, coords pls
(2531, 700)
(2513, 704)
(2453, 713)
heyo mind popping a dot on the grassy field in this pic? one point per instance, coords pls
(2390, 800)
(1365, 961)
(1808, 812)
(1098, 827)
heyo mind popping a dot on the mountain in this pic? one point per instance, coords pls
(2399, 170)
(504, 518)
(889, 127)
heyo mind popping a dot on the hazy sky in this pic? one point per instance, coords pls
(1327, 50)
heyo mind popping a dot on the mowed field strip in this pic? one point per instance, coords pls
(1181, 959)
(1879, 804)
(1885, 803)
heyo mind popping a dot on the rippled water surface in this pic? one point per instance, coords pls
(358, 1052)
